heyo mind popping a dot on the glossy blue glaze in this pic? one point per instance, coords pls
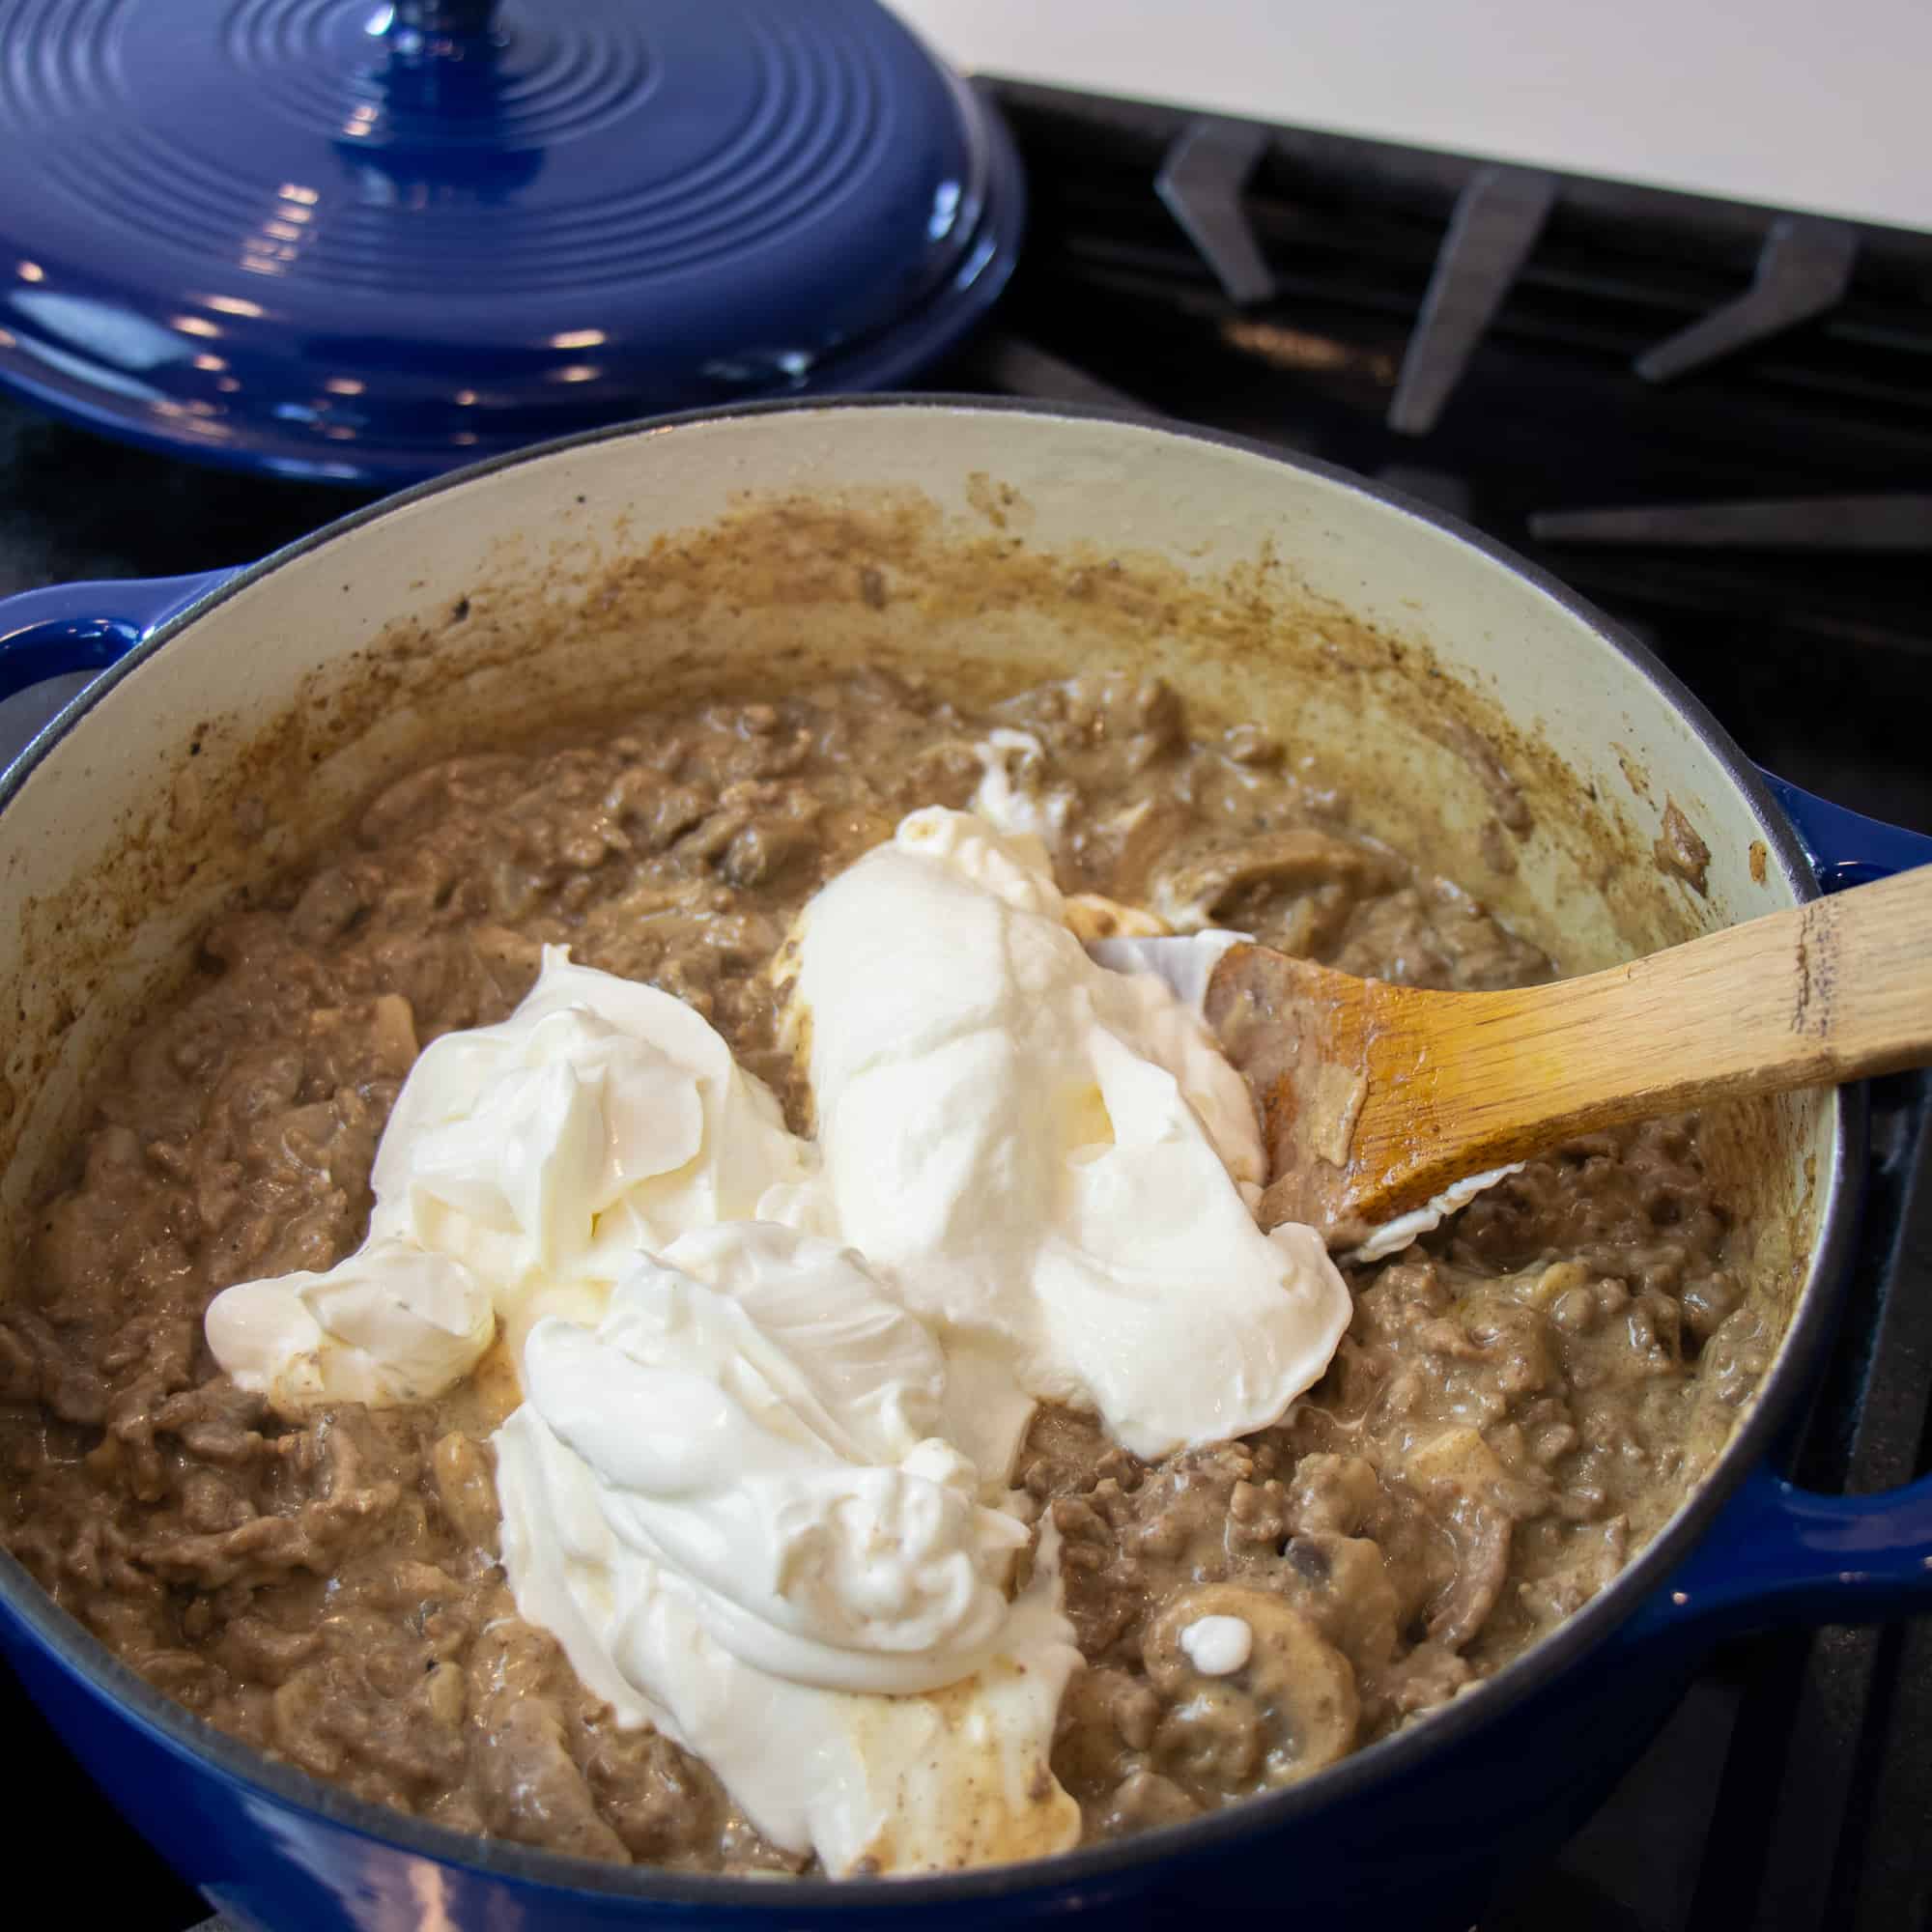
(70, 627)
(367, 243)
(1412, 1833)
(1779, 1554)
(1846, 848)
(1420, 1853)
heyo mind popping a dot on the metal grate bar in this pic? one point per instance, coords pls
(1497, 220)
(1890, 523)
(1201, 183)
(1804, 269)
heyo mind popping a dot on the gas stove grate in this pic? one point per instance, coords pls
(1711, 418)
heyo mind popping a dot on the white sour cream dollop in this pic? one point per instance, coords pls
(772, 1387)
(726, 1504)
(1055, 1160)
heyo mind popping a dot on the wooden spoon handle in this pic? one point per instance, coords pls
(1830, 991)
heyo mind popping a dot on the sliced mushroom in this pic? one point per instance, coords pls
(1284, 1714)
(1483, 1535)
(1296, 861)
(1342, 1585)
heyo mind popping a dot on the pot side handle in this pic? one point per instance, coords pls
(1845, 847)
(71, 627)
(1780, 1555)
(1776, 1553)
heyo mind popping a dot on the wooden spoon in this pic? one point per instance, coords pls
(1378, 1098)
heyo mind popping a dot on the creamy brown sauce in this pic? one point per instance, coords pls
(1519, 1400)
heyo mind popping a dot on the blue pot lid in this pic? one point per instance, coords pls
(346, 239)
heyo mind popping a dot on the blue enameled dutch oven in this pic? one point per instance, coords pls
(240, 717)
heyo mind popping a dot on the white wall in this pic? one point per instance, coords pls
(1813, 104)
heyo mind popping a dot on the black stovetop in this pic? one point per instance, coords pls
(1526, 350)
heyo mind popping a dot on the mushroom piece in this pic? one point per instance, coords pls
(1483, 1535)
(1301, 860)
(1284, 1714)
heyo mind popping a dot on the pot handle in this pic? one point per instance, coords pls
(1778, 1554)
(1845, 847)
(70, 627)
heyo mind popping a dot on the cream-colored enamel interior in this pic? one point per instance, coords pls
(981, 547)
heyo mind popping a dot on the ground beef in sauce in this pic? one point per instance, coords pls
(1517, 1400)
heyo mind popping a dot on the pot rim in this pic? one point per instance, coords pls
(1253, 1818)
